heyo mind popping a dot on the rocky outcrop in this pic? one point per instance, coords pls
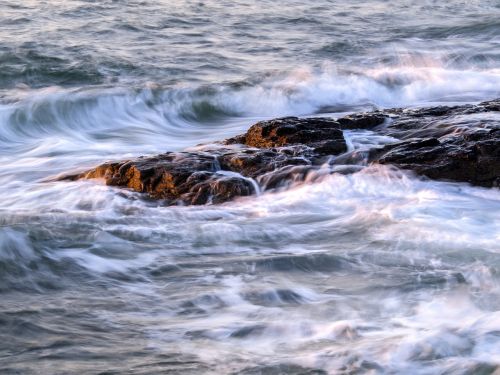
(323, 135)
(190, 178)
(270, 149)
(459, 143)
(473, 158)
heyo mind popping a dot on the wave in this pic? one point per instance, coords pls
(158, 118)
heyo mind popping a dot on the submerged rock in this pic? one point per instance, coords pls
(460, 143)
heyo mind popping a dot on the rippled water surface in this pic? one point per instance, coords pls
(373, 272)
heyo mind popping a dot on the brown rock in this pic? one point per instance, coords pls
(322, 134)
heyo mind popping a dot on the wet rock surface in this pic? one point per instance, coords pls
(323, 135)
(458, 143)
(270, 154)
(473, 158)
(184, 177)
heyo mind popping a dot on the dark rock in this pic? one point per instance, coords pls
(459, 143)
(324, 135)
(492, 105)
(285, 176)
(473, 158)
(256, 162)
(362, 121)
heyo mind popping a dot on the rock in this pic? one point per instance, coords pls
(362, 121)
(459, 143)
(188, 178)
(221, 174)
(472, 158)
(324, 135)
(256, 162)
(202, 177)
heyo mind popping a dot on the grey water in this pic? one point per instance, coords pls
(376, 272)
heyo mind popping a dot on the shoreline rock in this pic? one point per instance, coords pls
(459, 143)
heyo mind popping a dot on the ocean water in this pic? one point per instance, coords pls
(377, 272)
